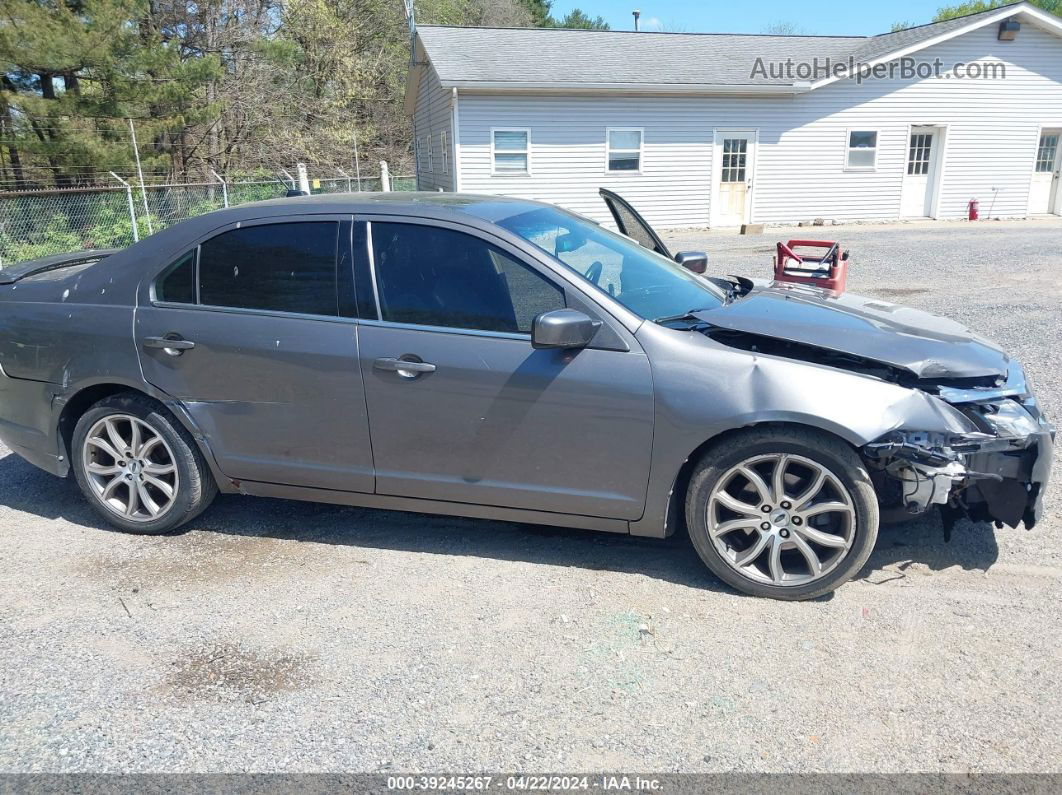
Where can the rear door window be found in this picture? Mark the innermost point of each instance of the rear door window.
(288, 267)
(177, 285)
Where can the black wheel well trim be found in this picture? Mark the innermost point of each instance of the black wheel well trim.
(82, 399)
(675, 515)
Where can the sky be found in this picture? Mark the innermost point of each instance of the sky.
(811, 16)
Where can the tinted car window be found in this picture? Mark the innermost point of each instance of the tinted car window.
(177, 285)
(281, 267)
(439, 277)
(648, 284)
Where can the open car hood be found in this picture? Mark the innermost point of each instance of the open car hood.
(923, 345)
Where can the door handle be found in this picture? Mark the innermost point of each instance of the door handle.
(404, 367)
(173, 345)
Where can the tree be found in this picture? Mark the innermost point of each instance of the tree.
(74, 70)
(976, 6)
(577, 19)
(539, 10)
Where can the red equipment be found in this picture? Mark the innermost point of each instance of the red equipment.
(971, 209)
(828, 270)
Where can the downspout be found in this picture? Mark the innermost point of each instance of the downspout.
(455, 137)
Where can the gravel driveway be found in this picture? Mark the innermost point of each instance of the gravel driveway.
(279, 636)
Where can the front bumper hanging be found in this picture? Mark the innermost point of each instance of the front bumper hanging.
(998, 473)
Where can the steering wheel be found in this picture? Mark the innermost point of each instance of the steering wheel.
(593, 273)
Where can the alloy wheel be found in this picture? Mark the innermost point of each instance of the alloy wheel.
(130, 468)
(781, 519)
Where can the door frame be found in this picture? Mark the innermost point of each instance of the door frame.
(717, 171)
(1054, 197)
(936, 167)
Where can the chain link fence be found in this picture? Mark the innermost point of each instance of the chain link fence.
(38, 223)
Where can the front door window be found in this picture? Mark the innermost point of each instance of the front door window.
(433, 276)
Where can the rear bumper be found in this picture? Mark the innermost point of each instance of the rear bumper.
(28, 424)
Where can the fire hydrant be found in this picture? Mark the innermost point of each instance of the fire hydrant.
(972, 210)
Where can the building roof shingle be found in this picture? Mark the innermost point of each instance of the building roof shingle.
(552, 56)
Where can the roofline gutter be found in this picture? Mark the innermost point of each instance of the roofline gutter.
(702, 89)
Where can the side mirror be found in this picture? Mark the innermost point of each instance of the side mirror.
(563, 328)
(696, 261)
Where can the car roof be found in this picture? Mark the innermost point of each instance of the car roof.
(399, 202)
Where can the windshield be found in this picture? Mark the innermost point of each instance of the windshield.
(646, 283)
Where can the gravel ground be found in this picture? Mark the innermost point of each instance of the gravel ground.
(279, 636)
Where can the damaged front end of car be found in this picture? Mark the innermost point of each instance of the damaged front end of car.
(996, 471)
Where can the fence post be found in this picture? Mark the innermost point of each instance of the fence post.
(140, 176)
(304, 180)
(343, 173)
(290, 178)
(224, 188)
(385, 176)
(129, 200)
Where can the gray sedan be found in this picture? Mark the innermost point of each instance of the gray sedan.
(491, 357)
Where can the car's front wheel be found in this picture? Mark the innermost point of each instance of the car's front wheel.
(787, 513)
(138, 467)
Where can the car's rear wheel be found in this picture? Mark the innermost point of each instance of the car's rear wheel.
(788, 513)
(138, 467)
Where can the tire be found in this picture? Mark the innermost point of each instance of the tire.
(166, 456)
(837, 525)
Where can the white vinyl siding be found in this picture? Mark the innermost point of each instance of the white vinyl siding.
(992, 136)
(432, 134)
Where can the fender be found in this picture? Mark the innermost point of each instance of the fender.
(695, 405)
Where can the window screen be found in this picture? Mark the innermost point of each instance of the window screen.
(511, 151)
(862, 149)
(279, 267)
(177, 285)
(624, 150)
(439, 277)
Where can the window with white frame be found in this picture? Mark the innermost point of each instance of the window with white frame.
(510, 150)
(1046, 153)
(419, 153)
(427, 148)
(444, 153)
(862, 150)
(624, 149)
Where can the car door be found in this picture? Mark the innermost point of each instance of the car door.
(245, 329)
(463, 409)
(630, 223)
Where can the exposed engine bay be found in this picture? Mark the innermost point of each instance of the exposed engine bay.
(994, 472)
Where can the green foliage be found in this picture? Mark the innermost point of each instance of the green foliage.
(976, 6)
(540, 13)
(577, 19)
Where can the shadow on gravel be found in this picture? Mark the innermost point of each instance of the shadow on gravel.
(973, 545)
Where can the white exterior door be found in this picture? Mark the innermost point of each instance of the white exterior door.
(735, 155)
(1043, 193)
(919, 179)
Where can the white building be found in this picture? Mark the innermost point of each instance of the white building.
(696, 131)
